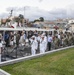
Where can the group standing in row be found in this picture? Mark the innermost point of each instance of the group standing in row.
(42, 41)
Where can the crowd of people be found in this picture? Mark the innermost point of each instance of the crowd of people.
(37, 40)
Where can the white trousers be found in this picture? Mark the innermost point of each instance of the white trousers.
(33, 51)
(42, 51)
(0, 57)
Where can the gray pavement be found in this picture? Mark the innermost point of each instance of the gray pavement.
(2, 72)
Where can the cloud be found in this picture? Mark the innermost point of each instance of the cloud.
(29, 12)
(40, 0)
(4, 15)
(59, 13)
(12, 8)
(34, 13)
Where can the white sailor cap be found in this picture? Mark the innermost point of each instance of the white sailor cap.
(42, 36)
(33, 36)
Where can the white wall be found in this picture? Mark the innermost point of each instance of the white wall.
(71, 21)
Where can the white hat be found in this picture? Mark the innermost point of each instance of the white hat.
(42, 36)
(33, 36)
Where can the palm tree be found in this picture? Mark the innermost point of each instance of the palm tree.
(41, 19)
(21, 17)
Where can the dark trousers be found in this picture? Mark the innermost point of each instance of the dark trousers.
(49, 46)
(7, 42)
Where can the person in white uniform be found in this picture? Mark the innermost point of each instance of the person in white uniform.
(0, 47)
(36, 43)
(42, 45)
(38, 40)
(45, 39)
(33, 45)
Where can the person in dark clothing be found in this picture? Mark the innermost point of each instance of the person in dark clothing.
(49, 42)
(6, 38)
(17, 39)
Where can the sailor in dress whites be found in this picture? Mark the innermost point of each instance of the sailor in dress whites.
(0, 46)
(36, 38)
(45, 39)
(42, 45)
(33, 45)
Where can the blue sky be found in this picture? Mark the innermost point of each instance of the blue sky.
(52, 6)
